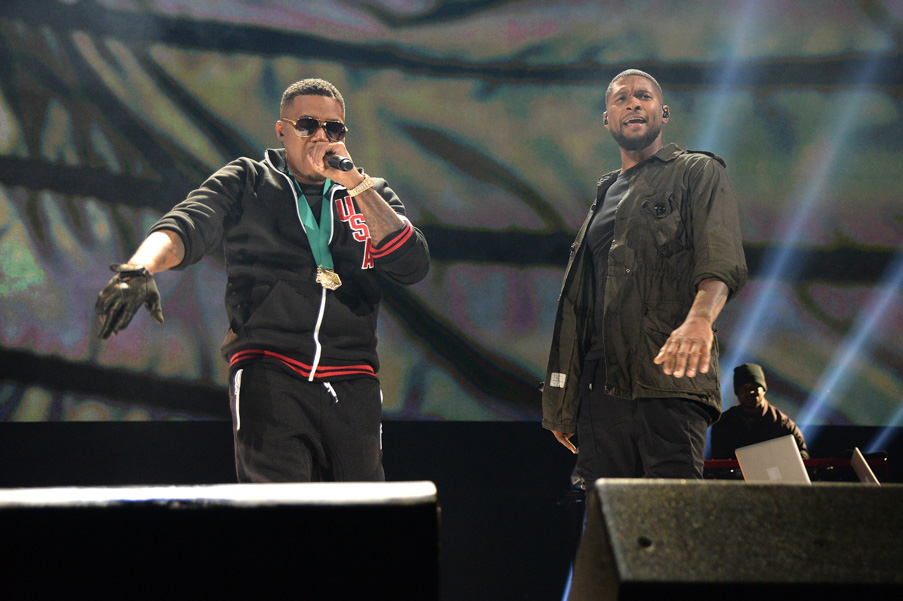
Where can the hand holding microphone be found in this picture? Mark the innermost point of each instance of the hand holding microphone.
(337, 161)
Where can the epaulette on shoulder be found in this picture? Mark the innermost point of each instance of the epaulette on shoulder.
(708, 154)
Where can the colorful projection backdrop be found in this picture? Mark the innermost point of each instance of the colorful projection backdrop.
(485, 116)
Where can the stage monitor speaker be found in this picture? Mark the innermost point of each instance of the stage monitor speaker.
(236, 541)
(664, 539)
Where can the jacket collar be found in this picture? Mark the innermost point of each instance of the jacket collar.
(666, 154)
(275, 157)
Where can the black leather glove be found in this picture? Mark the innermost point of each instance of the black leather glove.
(117, 303)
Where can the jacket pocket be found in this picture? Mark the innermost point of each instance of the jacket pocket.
(658, 323)
(666, 223)
(281, 307)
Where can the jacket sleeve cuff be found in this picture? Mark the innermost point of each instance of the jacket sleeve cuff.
(393, 242)
(566, 428)
(172, 225)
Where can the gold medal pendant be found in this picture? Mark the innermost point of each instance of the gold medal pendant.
(328, 279)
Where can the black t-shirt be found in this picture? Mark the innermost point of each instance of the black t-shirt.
(314, 196)
(599, 236)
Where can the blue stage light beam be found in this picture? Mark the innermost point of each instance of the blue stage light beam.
(886, 434)
(755, 328)
(714, 135)
(779, 265)
(567, 585)
(835, 378)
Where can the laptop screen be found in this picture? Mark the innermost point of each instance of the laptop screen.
(862, 468)
(775, 460)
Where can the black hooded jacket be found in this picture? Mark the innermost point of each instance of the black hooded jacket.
(276, 309)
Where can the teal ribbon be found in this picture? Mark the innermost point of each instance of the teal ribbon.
(317, 233)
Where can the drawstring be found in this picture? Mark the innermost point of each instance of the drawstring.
(331, 391)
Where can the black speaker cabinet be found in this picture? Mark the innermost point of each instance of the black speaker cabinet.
(251, 541)
(658, 539)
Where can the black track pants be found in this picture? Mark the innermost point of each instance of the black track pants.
(287, 429)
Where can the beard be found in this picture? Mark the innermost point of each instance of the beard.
(635, 144)
(305, 174)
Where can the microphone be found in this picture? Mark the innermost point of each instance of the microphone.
(337, 161)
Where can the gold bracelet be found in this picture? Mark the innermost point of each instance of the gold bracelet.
(364, 185)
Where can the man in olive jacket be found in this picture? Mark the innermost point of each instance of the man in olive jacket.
(633, 368)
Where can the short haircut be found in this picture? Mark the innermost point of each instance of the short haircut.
(628, 73)
(311, 87)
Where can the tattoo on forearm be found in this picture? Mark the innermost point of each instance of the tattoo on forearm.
(381, 219)
(175, 252)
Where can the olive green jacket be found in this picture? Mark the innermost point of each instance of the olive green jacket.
(677, 225)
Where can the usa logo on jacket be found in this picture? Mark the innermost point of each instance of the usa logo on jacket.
(349, 214)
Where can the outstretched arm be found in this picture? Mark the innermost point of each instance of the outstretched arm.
(133, 285)
(689, 347)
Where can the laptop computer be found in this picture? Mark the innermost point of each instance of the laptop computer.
(862, 468)
(776, 460)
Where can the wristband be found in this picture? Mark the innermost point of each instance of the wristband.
(130, 269)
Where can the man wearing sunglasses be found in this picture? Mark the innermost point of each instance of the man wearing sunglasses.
(308, 242)
(633, 369)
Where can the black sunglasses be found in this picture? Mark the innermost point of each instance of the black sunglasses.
(308, 126)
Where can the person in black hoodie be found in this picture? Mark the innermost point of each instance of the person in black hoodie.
(754, 419)
(308, 241)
